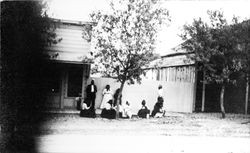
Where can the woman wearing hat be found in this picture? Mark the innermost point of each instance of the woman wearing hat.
(107, 95)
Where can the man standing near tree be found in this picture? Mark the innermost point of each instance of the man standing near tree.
(91, 94)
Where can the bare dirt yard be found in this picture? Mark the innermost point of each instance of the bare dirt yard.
(174, 124)
(177, 132)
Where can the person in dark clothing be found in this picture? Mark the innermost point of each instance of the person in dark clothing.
(91, 93)
(78, 103)
(87, 111)
(144, 111)
(116, 97)
(108, 112)
(158, 108)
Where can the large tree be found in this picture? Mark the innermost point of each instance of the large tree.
(214, 47)
(125, 38)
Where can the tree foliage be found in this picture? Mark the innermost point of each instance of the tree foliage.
(125, 38)
(242, 34)
(214, 46)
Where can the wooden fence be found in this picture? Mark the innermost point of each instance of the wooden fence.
(178, 96)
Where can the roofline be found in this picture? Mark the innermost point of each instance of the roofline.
(68, 62)
(181, 65)
(177, 54)
(72, 22)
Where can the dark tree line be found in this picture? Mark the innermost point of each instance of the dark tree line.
(25, 32)
(221, 50)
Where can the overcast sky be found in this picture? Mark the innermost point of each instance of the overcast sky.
(181, 12)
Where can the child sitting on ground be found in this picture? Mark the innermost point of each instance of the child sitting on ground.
(144, 111)
(127, 113)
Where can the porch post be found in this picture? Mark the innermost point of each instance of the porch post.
(195, 86)
(63, 88)
(203, 91)
(85, 76)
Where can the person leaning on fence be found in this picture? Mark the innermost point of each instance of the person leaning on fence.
(108, 112)
(116, 97)
(116, 101)
(144, 111)
(158, 108)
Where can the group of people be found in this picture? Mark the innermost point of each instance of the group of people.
(109, 104)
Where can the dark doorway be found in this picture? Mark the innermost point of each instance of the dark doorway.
(75, 76)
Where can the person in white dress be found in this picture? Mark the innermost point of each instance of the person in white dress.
(107, 95)
(160, 91)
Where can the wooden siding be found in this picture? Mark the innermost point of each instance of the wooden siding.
(172, 74)
(177, 75)
(72, 46)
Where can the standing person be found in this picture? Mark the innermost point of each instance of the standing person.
(116, 97)
(160, 91)
(107, 95)
(91, 93)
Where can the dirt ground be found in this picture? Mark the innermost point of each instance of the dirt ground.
(174, 124)
(175, 133)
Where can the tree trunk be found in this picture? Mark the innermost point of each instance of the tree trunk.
(247, 90)
(223, 113)
(119, 98)
(203, 92)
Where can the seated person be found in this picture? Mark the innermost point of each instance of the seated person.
(127, 113)
(108, 112)
(86, 110)
(144, 111)
(78, 101)
(158, 108)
